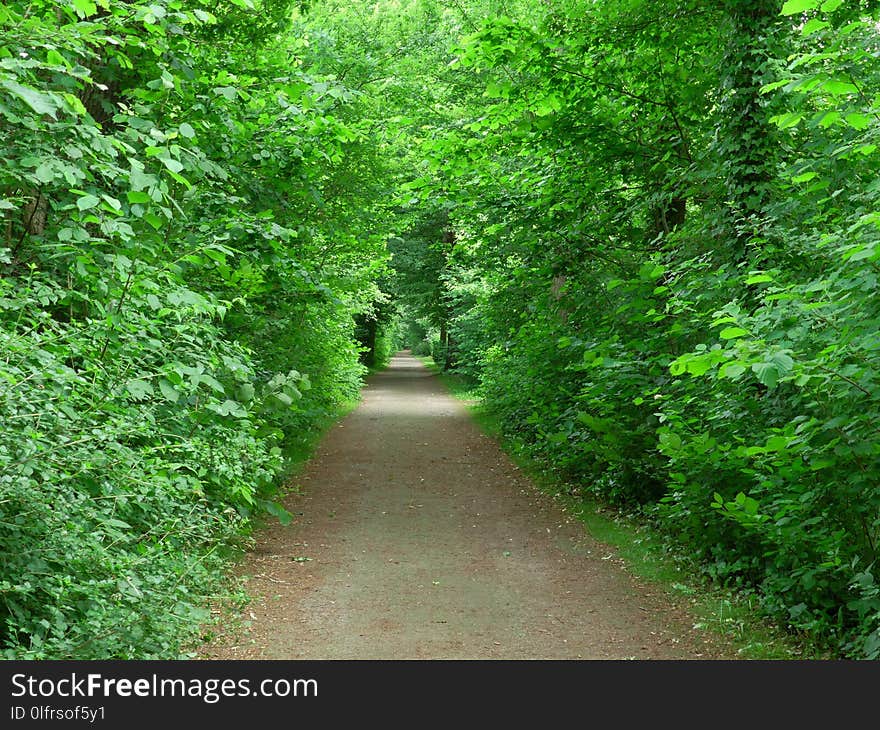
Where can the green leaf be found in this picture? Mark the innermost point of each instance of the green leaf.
(789, 119)
(729, 333)
(814, 25)
(804, 177)
(837, 87)
(112, 202)
(777, 443)
(227, 408)
(138, 197)
(766, 373)
(650, 271)
(54, 58)
(39, 102)
(783, 362)
(75, 104)
(731, 370)
(276, 510)
(87, 201)
(139, 180)
(858, 121)
(212, 383)
(669, 442)
(139, 389)
(44, 173)
(699, 366)
(169, 392)
(85, 8)
(774, 85)
(171, 164)
(792, 7)
(182, 180)
(227, 92)
(154, 220)
(758, 279)
(828, 118)
(186, 131)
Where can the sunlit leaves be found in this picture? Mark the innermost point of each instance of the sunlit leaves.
(84, 8)
(137, 197)
(791, 7)
(857, 120)
(760, 278)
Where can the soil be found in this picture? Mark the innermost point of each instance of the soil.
(416, 537)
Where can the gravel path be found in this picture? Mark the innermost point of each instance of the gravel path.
(416, 537)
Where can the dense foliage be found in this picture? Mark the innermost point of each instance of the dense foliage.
(663, 275)
(183, 254)
(648, 230)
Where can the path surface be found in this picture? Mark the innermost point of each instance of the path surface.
(416, 537)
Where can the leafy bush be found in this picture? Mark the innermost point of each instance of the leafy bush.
(667, 288)
(171, 314)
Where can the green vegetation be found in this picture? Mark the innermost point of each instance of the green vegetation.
(647, 230)
(183, 253)
(644, 550)
(652, 239)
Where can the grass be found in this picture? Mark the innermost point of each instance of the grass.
(733, 618)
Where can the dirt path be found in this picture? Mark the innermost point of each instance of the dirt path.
(416, 537)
